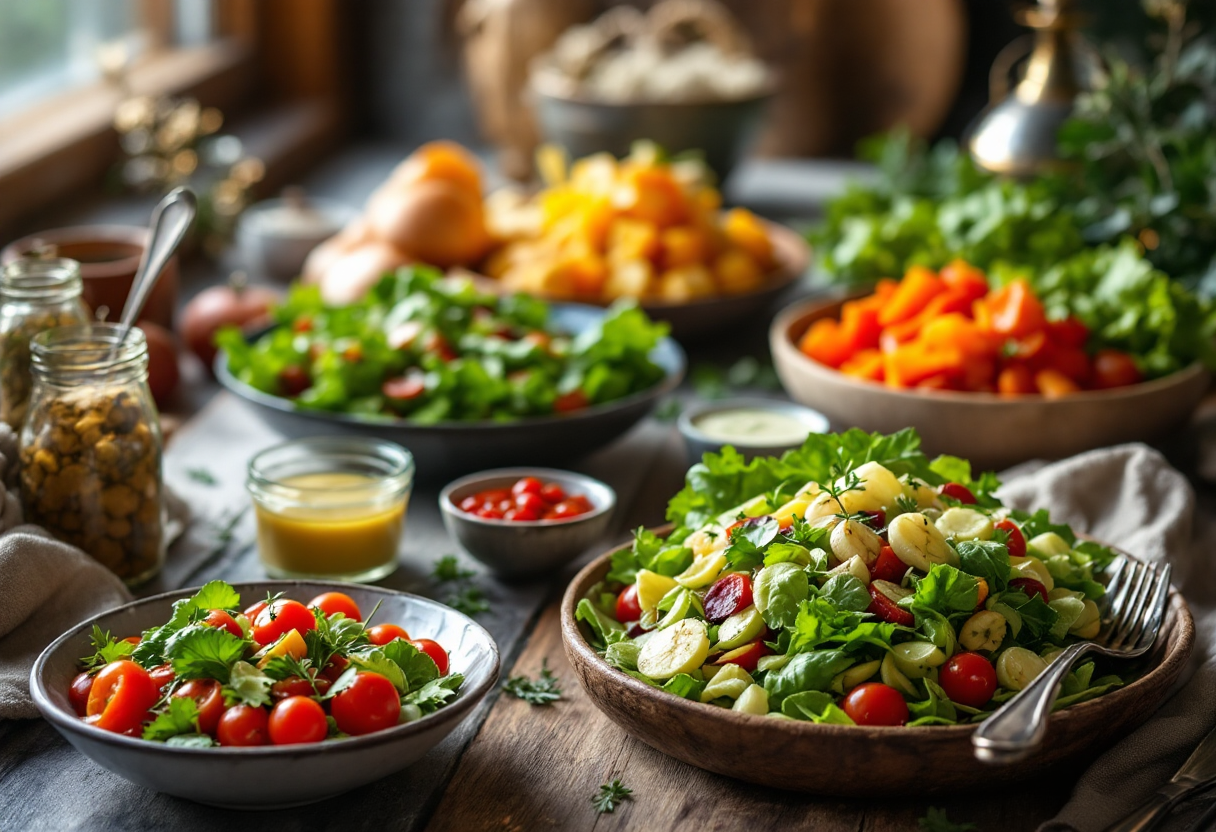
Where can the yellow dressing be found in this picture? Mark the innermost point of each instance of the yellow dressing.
(338, 524)
(752, 426)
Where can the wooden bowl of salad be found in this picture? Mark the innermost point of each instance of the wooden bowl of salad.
(847, 690)
(992, 407)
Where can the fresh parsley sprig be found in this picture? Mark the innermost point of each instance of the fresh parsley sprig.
(935, 820)
(448, 568)
(610, 796)
(470, 600)
(544, 690)
(108, 649)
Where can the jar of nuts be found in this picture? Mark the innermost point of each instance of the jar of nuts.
(91, 448)
(35, 295)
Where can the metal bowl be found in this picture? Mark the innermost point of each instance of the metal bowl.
(452, 448)
(721, 130)
(513, 548)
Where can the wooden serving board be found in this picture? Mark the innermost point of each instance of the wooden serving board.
(536, 768)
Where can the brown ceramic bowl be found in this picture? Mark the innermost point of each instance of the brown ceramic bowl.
(108, 256)
(992, 431)
(846, 760)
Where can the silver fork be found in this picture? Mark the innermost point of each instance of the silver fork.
(1135, 604)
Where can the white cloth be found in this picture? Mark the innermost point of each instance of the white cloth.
(1130, 497)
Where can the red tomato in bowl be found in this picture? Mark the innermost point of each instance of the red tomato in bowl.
(874, 703)
(382, 634)
(968, 679)
(283, 615)
(121, 695)
(78, 693)
(437, 653)
(297, 719)
(331, 603)
(222, 619)
(627, 606)
(243, 725)
(208, 695)
(1016, 544)
(370, 703)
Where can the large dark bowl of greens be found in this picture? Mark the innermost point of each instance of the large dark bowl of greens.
(464, 379)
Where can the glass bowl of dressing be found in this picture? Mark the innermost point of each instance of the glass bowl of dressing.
(755, 427)
(331, 507)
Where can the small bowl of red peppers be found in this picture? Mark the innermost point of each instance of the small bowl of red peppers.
(524, 521)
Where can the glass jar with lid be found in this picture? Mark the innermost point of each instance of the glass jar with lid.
(35, 295)
(91, 448)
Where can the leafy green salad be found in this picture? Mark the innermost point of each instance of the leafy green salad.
(432, 349)
(850, 581)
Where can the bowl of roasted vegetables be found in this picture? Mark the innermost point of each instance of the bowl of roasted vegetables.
(463, 378)
(855, 608)
(264, 695)
(1004, 366)
(643, 227)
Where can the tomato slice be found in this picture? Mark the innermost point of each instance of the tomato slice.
(1016, 544)
(121, 695)
(569, 402)
(1030, 586)
(887, 609)
(958, 492)
(887, 566)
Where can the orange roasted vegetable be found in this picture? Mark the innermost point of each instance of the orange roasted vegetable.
(1053, 384)
(1013, 311)
(867, 364)
(823, 342)
(913, 294)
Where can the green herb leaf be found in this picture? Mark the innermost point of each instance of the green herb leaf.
(202, 476)
(247, 686)
(435, 694)
(179, 717)
(610, 796)
(935, 820)
(107, 649)
(202, 652)
(448, 568)
(544, 690)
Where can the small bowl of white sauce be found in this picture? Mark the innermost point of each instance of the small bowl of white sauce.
(755, 427)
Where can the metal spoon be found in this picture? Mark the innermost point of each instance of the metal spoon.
(171, 219)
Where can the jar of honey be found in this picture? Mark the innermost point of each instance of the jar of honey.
(331, 507)
(91, 447)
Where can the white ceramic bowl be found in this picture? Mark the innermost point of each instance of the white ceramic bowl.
(697, 442)
(513, 548)
(269, 777)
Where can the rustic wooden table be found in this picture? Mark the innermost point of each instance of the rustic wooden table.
(511, 766)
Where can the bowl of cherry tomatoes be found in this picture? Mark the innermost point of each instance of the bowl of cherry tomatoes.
(524, 521)
(203, 696)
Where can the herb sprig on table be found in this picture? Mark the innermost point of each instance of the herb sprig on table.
(935, 820)
(464, 596)
(610, 796)
(544, 690)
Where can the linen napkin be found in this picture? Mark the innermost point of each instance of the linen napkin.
(1130, 496)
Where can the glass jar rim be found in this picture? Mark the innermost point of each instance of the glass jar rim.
(82, 352)
(390, 466)
(41, 278)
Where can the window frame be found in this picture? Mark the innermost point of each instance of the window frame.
(279, 56)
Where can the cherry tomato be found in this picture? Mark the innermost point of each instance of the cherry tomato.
(521, 515)
(283, 615)
(133, 640)
(968, 679)
(382, 634)
(1113, 368)
(494, 496)
(887, 566)
(252, 612)
(335, 602)
(295, 686)
(569, 402)
(635, 629)
(747, 657)
(727, 596)
(1030, 586)
(294, 380)
(208, 694)
(487, 513)
(438, 655)
(958, 492)
(335, 668)
(876, 704)
(371, 703)
(627, 606)
(1016, 544)
(243, 725)
(529, 501)
(470, 504)
(567, 509)
(887, 609)
(162, 674)
(297, 719)
(220, 618)
(78, 693)
(551, 492)
(527, 485)
(121, 695)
